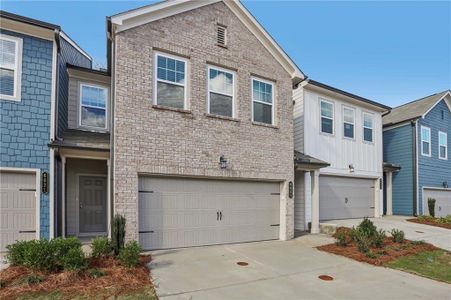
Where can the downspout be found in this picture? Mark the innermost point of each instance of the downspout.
(58, 45)
(111, 52)
(414, 164)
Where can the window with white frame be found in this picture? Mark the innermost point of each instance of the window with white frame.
(220, 92)
(368, 127)
(327, 116)
(93, 106)
(348, 122)
(442, 145)
(425, 141)
(170, 83)
(262, 101)
(10, 67)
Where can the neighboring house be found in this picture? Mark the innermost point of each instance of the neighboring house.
(338, 143)
(417, 137)
(32, 56)
(203, 125)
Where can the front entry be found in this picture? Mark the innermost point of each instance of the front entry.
(92, 203)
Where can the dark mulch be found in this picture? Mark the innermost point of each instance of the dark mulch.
(118, 280)
(431, 222)
(390, 250)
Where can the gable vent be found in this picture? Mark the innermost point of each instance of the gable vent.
(221, 35)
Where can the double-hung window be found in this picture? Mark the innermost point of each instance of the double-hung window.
(10, 67)
(348, 122)
(220, 92)
(170, 83)
(368, 127)
(93, 106)
(442, 145)
(327, 116)
(425, 141)
(262, 101)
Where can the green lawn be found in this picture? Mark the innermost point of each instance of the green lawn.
(432, 264)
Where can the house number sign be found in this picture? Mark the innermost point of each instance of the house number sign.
(45, 182)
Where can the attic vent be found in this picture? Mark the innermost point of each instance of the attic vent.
(221, 38)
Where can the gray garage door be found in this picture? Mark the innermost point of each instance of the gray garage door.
(18, 207)
(180, 212)
(343, 198)
(442, 201)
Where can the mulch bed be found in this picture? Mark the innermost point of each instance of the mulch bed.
(118, 280)
(430, 222)
(390, 251)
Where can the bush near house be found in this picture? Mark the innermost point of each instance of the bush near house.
(431, 207)
(444, 222)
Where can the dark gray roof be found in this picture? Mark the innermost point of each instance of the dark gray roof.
(412, 110)
(90, 70)
(304, 159)
(79, 139)
(391, 167)
(11, 16)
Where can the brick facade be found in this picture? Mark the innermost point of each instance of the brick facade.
(153, 141)
(25, 124)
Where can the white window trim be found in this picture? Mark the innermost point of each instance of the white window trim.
(429, 141)
(321, 116)
(345, 122)
(17, 68)
(446, 145)
(273, 121)
(221, 93)
(80, 105)
(156, 80)
(366, 127)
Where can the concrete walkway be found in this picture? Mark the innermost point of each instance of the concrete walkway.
(281, 270)
(439, 237)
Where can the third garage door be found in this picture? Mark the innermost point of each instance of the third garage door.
(343, 198)
(181, 212)
(442, 201)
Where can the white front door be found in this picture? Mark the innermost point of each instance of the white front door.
(92, 202)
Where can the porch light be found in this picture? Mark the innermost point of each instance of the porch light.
(351, 168)
(445, 184)
(223, 162)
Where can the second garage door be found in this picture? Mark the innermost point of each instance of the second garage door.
(181, 212)
(344, 198)
(442, 201)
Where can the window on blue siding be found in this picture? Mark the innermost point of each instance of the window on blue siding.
(442, 145)
(170, 83)
(220, 92)
(10, 67)
(262, 101)
(327, 116)
(93, 102)
(368, 127)
(425, 141)
(348, 122)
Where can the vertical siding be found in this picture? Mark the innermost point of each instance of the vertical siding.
(68, 54)
(299, 201)
(25, 124)
(398, 150)
(298, 121)
(432, 171)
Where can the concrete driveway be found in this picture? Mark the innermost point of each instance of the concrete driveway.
(281, 270)
(439, 237)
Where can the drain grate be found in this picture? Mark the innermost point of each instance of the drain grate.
(242, 263)
(326, 277)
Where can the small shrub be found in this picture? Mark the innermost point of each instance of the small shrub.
(425, 218)
(398, 235)
(61, 246)
(378, 238)
(415, 243)
(341, 239)
(74, 260)
(101, 247)
(2, 284)
(431, 207)
(444, 220)
(16, 252)
(361, 239)
(31, 279)
(129, 255)
(39, 256)
(370, 254)
(367, 227)
(118, 233)
(96, 273)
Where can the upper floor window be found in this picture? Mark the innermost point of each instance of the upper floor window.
(170, 83)
(220, 92)
(327, 116)
(93, 106)
(368, 127)
(10, 67)
(262, 101)
(348, 122)
(425, 141)
(442, 145)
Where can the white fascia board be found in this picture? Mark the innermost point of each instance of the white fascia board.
(448, 103)
(73, 44)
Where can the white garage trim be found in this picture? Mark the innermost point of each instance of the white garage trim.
(37, 173)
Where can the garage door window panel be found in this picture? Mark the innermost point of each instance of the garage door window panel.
(368, 128)
(348, 122)
(170, 83)
(221, 92)
(425, 141)
(263, 101)
(327, 116)
(442, 145)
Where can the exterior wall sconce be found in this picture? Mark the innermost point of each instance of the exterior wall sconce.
(445, 184)
(223, 162)
(351, 168)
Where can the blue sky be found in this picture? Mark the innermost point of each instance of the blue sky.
(391, 52)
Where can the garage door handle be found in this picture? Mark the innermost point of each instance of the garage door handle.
(27, 231)
(220, 215)
(217, 216)
(27, 190)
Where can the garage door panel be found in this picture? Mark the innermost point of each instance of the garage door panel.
(442, 201)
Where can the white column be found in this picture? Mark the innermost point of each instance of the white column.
(315, 201)
(389, 186)
(63, 197)
(108, 198)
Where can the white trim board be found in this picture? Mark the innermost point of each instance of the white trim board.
(448, 103)
(73, 44)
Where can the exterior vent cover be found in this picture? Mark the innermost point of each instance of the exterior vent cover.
(221, 38)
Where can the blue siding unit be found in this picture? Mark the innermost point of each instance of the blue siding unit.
(25, 124)
(398, 149)
(432, 171)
